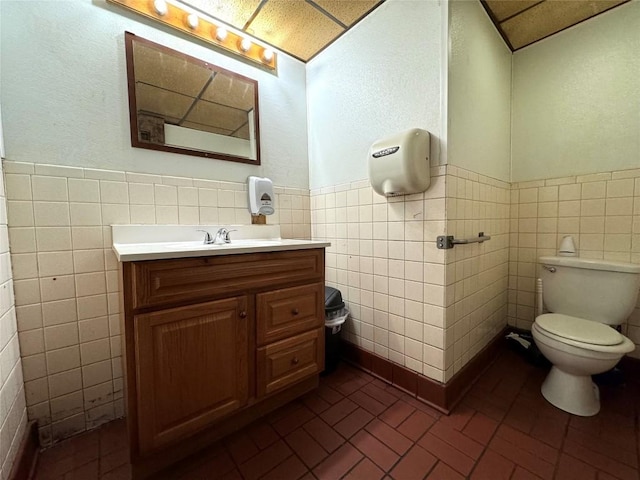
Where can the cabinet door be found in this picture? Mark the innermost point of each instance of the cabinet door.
(192, 368)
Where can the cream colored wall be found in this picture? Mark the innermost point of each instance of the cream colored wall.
(576, 106)
(358, 95)
(602, 213)
(479, 93)
(13, 413)
(383, 258)
(66, 275)
(476, 274)
(65, 99)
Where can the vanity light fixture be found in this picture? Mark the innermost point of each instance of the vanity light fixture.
(267, 55)
(221, 34)
(160, 6)
(192, 21)
(245, 44)
(196, 23)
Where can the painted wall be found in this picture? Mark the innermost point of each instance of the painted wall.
(576, 107)
(479, 93)
(65, 100)
(357, 94)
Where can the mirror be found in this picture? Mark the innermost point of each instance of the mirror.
(180, 104)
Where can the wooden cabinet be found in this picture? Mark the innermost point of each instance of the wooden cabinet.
(285, 362)
(212, 343)
(192, 367)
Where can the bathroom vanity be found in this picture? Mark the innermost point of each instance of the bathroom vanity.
(214, 336)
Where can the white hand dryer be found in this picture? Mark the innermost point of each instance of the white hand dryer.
(399, 164)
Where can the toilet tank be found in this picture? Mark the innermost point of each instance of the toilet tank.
(597, 290)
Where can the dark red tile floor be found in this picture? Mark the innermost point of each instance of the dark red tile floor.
(357, 427)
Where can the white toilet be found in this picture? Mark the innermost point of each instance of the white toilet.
(586, 297)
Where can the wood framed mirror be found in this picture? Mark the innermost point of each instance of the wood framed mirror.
(180, 104)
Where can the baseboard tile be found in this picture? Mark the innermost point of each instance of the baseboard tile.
(441, 396)
(24, 466)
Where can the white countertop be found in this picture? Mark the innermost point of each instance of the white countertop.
(160, 242)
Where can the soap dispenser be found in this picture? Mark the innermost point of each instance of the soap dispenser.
(261, 197)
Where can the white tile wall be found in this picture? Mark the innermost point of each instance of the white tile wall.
(13, 412)
(602, 213)
(476, 274)
(66, 278)
(427, 309)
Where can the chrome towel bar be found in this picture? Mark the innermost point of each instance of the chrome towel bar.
(444, 242)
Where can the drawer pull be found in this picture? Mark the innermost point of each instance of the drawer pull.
(243, 314)
(295, 311)
(295, 361)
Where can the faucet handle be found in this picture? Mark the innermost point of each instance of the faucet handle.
(227, 238)
(208, 239)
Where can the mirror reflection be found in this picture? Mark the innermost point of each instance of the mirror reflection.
(181, 104)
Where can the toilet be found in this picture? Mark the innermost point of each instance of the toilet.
(586, 298)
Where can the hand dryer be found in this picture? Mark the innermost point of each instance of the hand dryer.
(399, 164)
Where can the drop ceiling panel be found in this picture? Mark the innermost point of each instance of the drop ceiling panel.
(507, 8)
(294, 26)
(550, 17)
(348, 12)
(226, 90)
(168, 72)
(161, 102)
(234, 12)
(218, 116)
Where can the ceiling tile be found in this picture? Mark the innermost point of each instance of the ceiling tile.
(347, 11)
(227, 90)
(161, 102)
(234, 12)
(215, 115)
(550, 17)
(294, 26)
(167, 71)
(502, 9)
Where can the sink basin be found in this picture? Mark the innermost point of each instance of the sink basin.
(155, 242)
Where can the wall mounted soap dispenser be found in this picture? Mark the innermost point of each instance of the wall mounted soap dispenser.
(399, 164)
(261, 199)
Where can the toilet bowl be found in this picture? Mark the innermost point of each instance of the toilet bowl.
(577, 348)
(587, 299)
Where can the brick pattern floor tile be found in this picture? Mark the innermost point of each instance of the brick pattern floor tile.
(358, 427)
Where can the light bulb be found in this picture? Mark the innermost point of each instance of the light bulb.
(245, 44)
(221, 33)
(267, 55)
(192, 21)
(160, 7)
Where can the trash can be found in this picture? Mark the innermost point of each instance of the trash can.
(335, 314)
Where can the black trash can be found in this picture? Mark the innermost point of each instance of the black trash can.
(335, 315)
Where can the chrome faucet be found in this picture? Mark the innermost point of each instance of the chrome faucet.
(222, 236)
(208, 239)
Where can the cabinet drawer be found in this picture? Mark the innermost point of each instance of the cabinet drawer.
(289, 311)
(170, 282)
(285, 362)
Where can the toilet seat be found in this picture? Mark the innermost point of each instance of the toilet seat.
(579, 329)
(581, 333)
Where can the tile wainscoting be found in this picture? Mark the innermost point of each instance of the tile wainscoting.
(66, 275)
(602, 213)
(13, 412)
(426, 309)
